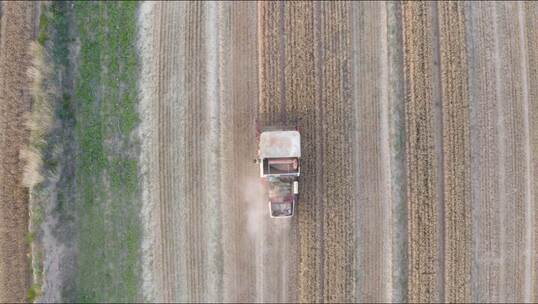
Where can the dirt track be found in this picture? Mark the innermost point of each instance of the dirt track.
(17, 26)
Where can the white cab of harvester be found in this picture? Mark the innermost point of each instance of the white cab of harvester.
(279, 159)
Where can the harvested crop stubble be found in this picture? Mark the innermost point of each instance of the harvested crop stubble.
(371, 152)
(515, 158)
(530, 14)
(502, 68)
(485, 164)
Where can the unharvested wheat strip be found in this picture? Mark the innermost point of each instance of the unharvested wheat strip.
(269, 59)
(455, 101)
(301, 104)
(335, 194)
(421, 168)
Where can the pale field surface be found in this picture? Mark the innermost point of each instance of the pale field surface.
(418, 150)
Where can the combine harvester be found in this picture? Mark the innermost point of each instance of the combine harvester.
(278, 155)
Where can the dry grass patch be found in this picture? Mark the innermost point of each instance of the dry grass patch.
(40, 120)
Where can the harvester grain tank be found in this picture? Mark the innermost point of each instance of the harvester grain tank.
(279, 159)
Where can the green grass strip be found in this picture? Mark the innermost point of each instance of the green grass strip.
(106, 174)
